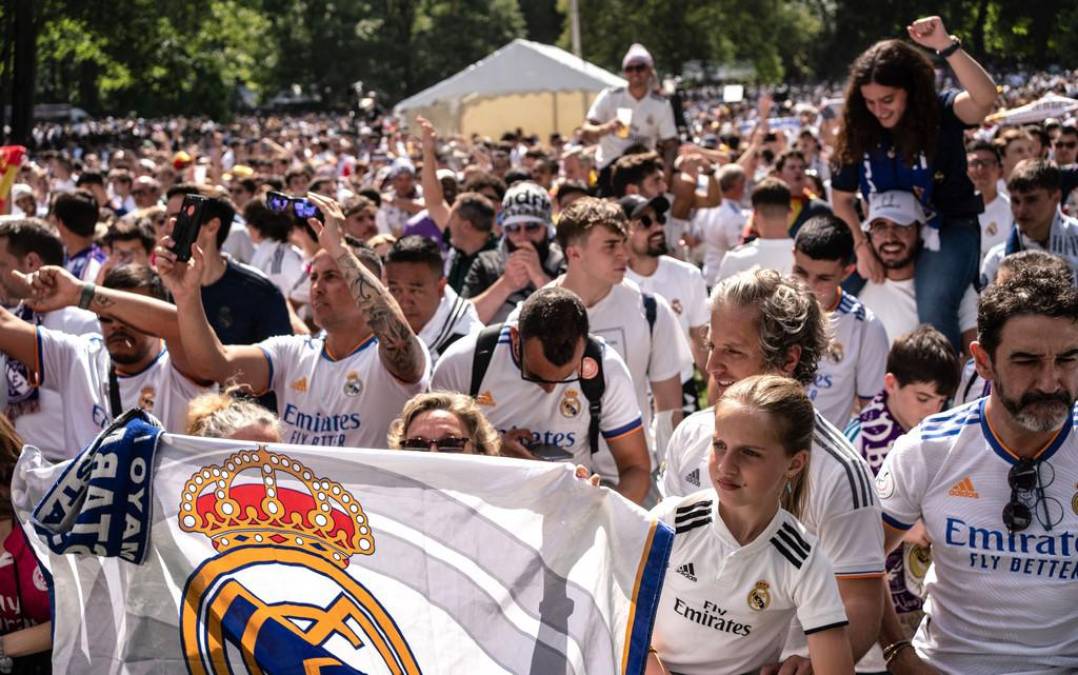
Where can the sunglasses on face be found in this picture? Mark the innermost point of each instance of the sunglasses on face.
(1069, 145)
(530, 228)
(1028, 501)
(445, 444)
(636, 68)
(647, 221)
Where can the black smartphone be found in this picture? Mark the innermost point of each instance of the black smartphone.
(549, 453)
(187, 226)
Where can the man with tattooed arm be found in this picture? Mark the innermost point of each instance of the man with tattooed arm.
(340, 388)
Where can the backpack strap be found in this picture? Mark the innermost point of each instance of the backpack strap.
(593, 389)
(484, 351)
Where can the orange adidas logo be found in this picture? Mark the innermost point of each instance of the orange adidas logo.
(964, 488)
(485, 398)
(300, 385)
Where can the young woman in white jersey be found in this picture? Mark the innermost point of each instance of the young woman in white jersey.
(742, 566)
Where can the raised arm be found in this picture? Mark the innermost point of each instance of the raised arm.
(398, 347)
(433, 196)
(18, 339)
(979, 98)
(207, 358)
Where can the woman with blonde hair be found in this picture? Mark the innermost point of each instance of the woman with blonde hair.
(742, 566)
(444, 421)
(223, 415)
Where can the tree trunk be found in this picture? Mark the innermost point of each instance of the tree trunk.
(22, 108)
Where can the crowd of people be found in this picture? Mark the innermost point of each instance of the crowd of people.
(833, 344)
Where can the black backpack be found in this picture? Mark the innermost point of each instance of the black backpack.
(592, 388)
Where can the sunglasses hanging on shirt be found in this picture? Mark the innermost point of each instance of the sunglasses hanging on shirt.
(1027, 479)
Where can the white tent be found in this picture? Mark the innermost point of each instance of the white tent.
(1050, 105)
(537, 87)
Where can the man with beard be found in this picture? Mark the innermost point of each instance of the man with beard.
(525, 259)
(100, 376)
(681, 284)
(994, 483)
(894, 232)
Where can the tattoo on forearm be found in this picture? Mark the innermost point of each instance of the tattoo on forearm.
(398, 343)
(101, 301)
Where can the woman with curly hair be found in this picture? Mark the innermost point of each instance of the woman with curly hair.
(899, 133)
(443, 421)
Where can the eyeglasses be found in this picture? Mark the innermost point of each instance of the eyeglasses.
(1026, 480)
(445, 444)
(635, 68)
(530, 228)
(647, 221)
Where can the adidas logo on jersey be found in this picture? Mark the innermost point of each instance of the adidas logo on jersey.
(485, 398)
(693, 477)
(964, 488)
(300, 385)
(688, 571)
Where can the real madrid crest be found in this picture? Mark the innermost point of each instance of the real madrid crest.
(760, 596)
(353, 386)
(570, 404)
(146, 398)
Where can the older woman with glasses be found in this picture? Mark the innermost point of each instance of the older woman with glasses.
(443, 421)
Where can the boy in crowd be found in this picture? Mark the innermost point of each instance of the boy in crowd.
(922, 374)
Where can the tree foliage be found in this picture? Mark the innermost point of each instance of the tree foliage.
(154, 57)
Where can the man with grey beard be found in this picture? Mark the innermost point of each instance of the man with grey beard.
(994, 482)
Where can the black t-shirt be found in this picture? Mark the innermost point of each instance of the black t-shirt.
(462, 262)
(245, 307)
(943, 186)
(490, 265)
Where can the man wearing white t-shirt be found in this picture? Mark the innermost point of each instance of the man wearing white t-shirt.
(762, 323)
(415, 275)
(994, 483)
(1039, 224)
(985, 168)
(771, 220)
(852, 369)
(642, 328)
(894, 231)
(341, 388)
(535, 389)
(98, 377)
(721, 226)
(679, 283)
(621, 117)
(26, 245)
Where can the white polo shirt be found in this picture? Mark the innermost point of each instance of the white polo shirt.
(38, 413)
(855, 366)
(349, 402)
(559, 418)
(997, 602)
(841, 509)
(652, 121)
(726, 608)
(775, 254)
(77, 367)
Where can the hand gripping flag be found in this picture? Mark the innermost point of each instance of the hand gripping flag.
(11, 157)
(292, 559)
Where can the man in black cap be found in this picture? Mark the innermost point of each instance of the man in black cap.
(680, 283)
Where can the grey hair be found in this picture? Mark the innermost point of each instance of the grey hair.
(221, 415)
(789, 317)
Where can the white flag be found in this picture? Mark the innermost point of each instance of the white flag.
(295, 559)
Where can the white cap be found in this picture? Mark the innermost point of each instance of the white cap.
(637, 54)
(20, 190)
(896, 206)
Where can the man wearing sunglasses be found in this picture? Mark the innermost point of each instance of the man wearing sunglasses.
(534, 389)
(996, 483)
(635, 114)
(526, 258)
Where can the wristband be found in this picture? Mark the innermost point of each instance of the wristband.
(87, 295)
(892, 650)
(955, 45)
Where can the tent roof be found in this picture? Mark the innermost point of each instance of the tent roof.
(519, 67)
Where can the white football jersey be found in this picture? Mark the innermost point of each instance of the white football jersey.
(652, 121)
(559, 418)
(282, 263)
(721, 230)
(857, 362)
(346, 402)
(682, 286)
(453, 318)
(775, 254)
(726, 608)
(38, 413)
(841, 509)
(971, 386)
(998, 602)
(77, 367)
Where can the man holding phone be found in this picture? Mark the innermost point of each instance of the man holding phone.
(342, 388)
(242, 304)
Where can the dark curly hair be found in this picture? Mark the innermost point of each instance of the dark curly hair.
(891, 63)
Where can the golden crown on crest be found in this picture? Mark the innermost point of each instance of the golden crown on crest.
(241, 503)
